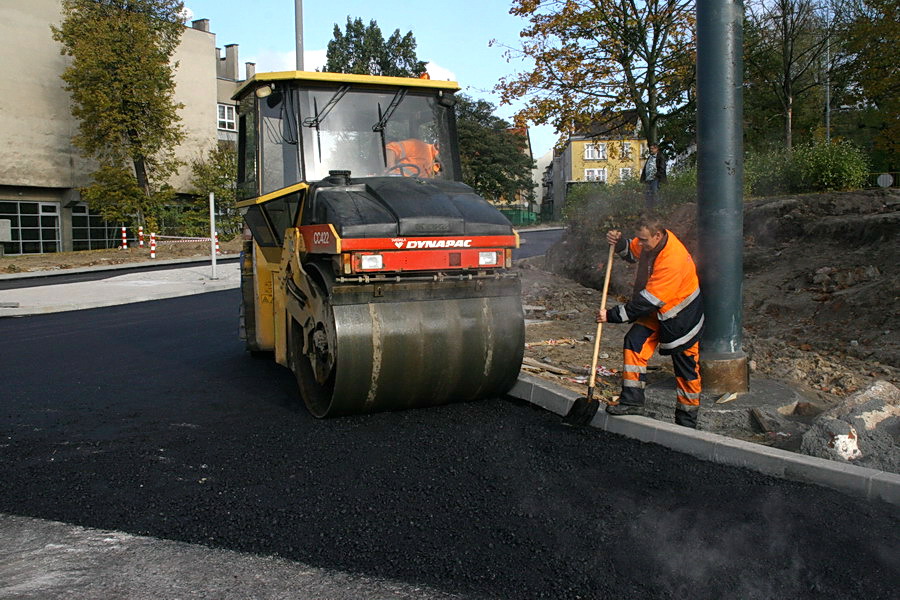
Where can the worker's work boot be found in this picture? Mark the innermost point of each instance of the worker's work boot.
(625, 409)
(686, 418)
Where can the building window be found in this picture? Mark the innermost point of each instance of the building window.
(90, 231)
(626, 150)
(34, 226)
(227, 120)
(625, 174)
(595, 152)
(598, 175)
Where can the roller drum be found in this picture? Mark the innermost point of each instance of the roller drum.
(394, 354)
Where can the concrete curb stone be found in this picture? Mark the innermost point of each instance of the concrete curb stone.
(859, 481)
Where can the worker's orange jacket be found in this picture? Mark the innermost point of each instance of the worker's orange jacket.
(413, 152)
(666, 289)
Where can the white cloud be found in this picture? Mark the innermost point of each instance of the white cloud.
(313, 59)
(269, 61)
(436, 71)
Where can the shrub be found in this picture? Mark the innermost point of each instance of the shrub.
(767, 173)
(828, 166)
(680, 188)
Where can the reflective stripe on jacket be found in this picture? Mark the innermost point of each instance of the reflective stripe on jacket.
(669, 291)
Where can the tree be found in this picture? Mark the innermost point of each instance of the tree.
(364, 51)
(786, 42)
(872, 35)
(214, 173)
(493, 154)
(598, 57)
(121, 82)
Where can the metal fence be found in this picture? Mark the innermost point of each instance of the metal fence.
(519, 217)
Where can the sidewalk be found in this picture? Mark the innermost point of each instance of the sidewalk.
(192, 278)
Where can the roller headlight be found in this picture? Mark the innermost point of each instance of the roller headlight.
(487, 259)
(371, 261)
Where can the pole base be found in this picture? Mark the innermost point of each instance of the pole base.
(725, 373)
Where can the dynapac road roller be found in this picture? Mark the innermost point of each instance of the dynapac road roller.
(374, 274)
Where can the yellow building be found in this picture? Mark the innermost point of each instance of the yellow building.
(609, 152)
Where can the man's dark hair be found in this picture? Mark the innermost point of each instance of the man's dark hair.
(651, 222)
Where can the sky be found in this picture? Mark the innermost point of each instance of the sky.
(452, 38)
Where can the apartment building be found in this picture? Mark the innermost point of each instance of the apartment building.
(41, 171)
(608, 152)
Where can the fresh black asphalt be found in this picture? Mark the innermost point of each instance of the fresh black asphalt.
(150, 419)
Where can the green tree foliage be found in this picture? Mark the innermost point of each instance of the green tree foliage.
(494, 156)
(121, 82)
(214, 173)
(598, 57)
(363, 50)
(786, 42)
(872, 36)
(827, 166)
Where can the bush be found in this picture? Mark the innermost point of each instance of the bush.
(767, 173)
(825, 166)
(681, 188)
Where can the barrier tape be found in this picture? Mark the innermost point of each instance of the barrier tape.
(182, 241)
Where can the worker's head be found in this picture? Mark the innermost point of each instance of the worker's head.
(654, 148)
(649, 232)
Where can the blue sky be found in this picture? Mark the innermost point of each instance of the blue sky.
(452, 37)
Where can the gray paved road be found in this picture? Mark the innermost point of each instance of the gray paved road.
(150, 419)
(536, 243)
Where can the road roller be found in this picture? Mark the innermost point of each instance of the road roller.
(371, 271)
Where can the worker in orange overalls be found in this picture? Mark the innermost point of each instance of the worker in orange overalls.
(667, 312)
(412, 158)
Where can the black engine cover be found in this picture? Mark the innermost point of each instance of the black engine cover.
(383, 207)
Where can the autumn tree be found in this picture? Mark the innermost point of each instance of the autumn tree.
(494, 156)
(597, 57)
(121, 82)
(363, 50)
(871, 35)
(786, 42)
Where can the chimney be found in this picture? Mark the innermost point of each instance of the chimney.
(231, 62)
(250, 69)
(201, 24)
(220, 64)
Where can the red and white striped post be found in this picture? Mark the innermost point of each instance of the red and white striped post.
(217, 244)
(141, 236)
(124, 239)
(152, 244)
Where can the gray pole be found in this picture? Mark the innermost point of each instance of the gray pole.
(298, 27)
(720, 167)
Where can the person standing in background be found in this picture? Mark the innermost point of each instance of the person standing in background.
(653, 174)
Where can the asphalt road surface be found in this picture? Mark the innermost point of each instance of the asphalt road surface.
(536, 243)
(150, 419)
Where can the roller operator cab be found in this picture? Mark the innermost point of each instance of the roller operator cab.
(373, 273)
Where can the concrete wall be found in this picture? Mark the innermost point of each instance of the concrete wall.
(195, 87)
(35, 113)
(38, 162)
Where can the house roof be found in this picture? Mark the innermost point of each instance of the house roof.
(612, 125)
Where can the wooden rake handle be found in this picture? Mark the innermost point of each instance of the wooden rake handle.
(593, 378)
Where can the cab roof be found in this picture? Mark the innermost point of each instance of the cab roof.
(314, 76)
